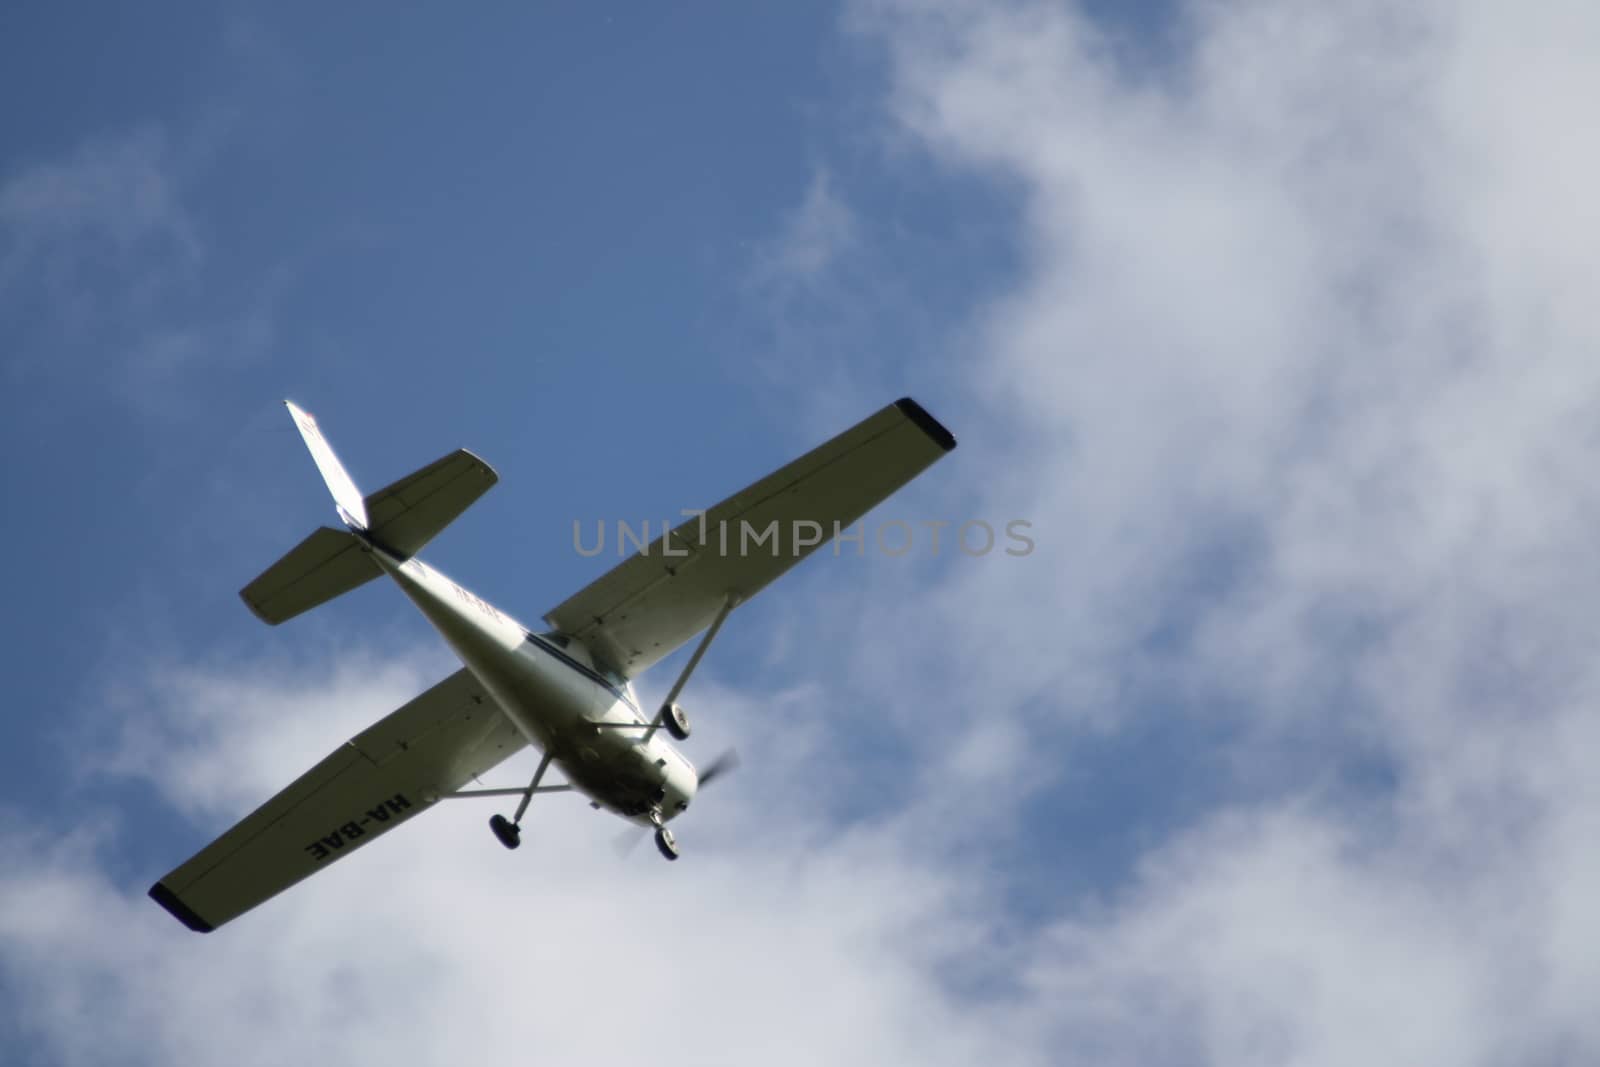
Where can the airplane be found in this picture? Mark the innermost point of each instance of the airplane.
(566, 690)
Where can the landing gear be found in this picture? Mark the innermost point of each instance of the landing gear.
(506, 832)
(676, 720)
(509, 831)
(666, 843)
(671, 717)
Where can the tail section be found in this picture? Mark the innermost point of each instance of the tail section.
(325, 565)
(346, 497)
(399, 518)
(409, 513)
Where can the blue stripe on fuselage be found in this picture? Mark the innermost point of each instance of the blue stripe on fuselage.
(582, 668)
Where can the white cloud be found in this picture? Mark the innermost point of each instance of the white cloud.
(815, 234)
(776, 939)
(117, 193)
(1307, 374)
(105, 263)
(111, 210)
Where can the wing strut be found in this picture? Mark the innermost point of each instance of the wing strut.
(509, 831)
(670, 714)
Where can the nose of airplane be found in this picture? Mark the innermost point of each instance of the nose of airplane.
(683, 780)
(680, 785)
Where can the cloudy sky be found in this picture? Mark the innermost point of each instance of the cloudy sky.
(1276, 320)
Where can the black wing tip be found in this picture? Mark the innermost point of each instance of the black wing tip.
(179, 910)
(254, 610)
(926, 423)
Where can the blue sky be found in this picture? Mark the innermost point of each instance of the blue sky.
(1273, 320)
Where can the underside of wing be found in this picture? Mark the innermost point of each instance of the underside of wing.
(655, 601)
(368, 786)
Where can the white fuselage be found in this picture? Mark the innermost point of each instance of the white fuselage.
(550, 689)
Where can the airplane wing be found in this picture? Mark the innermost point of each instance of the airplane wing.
(390, 772)
(655, 601)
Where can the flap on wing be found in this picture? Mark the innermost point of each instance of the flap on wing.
(369, 785)
(408, 514)
(653, 602)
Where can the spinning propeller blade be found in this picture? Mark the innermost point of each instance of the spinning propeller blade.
(728, 761)
(628, 840)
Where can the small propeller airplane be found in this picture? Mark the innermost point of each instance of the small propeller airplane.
(567, 691)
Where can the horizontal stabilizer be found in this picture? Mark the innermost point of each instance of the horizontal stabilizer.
(325, 565)
(408, 514)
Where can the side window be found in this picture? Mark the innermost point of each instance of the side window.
(621, 685)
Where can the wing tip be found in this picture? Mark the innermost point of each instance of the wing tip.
(926, 423)
(256, 609)
(178, 909)
(494, 475)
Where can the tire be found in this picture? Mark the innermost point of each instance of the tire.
(676, 720)
(505, 831)
(667, 843)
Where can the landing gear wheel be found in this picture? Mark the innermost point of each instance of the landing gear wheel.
(666, 843)
(676, 720)
(506, 832)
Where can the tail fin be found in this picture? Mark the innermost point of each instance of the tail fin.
(399, 518)
(346, 497)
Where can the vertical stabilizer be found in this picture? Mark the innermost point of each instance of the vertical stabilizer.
(346, 497)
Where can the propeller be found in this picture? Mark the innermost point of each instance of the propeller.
(728, 761)
(628, 840)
